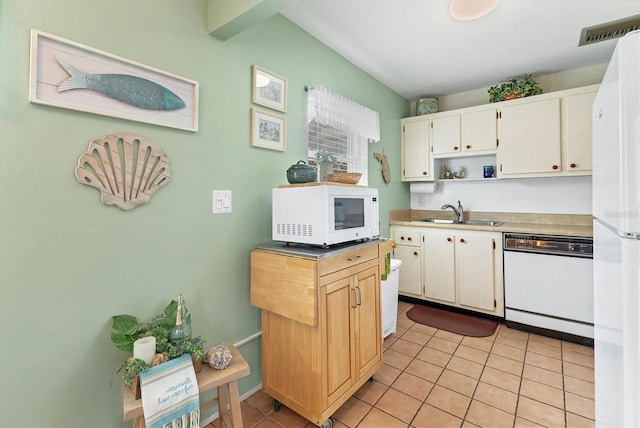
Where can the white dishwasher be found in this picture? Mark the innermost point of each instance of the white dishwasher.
(548, 284)
(389, 297)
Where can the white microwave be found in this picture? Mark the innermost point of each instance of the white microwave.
(324, 214)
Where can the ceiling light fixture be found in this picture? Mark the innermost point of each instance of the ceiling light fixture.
(468, 10)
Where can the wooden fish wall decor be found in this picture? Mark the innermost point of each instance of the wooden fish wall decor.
(126, 168)
(386, 174)
(131, 90)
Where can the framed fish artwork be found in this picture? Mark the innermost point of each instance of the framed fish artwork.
(268, 131)
(269, 89)
(74, 76)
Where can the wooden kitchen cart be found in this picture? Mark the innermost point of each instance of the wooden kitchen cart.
(321, 327)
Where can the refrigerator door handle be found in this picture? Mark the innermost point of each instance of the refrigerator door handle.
(621, 233)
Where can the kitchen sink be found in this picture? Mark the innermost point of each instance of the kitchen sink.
(469, 222)
(439, 220)
(482, 222)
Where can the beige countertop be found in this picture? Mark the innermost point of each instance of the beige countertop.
(543, 224)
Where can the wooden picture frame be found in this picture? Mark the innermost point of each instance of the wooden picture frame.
(268, 131)
(269, 89)
(114, 86)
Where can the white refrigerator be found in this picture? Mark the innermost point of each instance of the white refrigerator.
(616, 229)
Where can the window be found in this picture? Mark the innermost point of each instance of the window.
(339, 130)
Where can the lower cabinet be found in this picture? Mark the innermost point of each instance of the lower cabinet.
(455, 267)
(321, 326)
(409, 250)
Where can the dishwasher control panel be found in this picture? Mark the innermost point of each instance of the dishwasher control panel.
(575, 246)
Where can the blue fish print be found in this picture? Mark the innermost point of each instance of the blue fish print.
(132, 90)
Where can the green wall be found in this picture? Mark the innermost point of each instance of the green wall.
(68, 263)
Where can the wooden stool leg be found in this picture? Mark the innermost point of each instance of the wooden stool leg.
(223, 404)
(236, 413)
(139, 422)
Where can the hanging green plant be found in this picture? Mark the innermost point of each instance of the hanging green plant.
(514, 88)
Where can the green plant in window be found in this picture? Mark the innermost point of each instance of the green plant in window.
(325, 156)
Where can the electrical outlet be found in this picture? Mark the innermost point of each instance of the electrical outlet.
(221, 201)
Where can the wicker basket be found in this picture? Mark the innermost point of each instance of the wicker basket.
(345, 177)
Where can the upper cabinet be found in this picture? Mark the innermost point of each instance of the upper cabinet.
(541, 136)
(445, 135)
(417, 164)
(529, 136)
(468, 133)
(479, 131)
(577, 131)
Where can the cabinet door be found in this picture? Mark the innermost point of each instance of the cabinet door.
(416, 157)
(577, 129)
(339, 297)
(411, 277)
(445, 135)
(475, 271)
(529, 136)
(367, 333)
(479, 131)
(439, 266)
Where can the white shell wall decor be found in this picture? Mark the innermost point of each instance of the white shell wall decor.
(126, 168)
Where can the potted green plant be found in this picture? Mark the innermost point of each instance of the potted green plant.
(126, 329)
(193, 345)
(514, 88)
(133, 367)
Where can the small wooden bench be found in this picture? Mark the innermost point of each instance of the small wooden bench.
(225, 380)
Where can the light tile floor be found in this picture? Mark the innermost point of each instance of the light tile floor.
(434, 378)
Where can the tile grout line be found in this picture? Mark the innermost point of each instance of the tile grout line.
(524, 362)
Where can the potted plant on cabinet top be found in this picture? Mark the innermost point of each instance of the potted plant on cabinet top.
(514, 88)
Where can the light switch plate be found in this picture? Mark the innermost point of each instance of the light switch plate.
(221, 201)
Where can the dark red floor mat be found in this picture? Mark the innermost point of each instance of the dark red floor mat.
(454, 322)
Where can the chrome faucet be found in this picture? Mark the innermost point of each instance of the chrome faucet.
(459, 211)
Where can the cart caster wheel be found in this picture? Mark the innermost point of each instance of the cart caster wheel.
(276, 405)
(327, 424)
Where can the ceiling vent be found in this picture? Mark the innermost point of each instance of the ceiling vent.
(609, 30)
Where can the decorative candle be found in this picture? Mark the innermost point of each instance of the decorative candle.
(145, 348)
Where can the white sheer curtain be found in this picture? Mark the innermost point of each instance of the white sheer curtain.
(339, 128)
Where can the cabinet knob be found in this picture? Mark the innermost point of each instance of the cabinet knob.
(455, 148)
(402, 238)
(415, 253)
(424, 172)
(449, 239)
(468, 146)
(554, 167)
(462, 240)
(573, 165)
(409, 238)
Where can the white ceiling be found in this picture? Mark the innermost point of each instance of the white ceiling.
(417, 49)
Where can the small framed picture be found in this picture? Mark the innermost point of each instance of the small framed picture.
(269, 89)
(268, 131)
